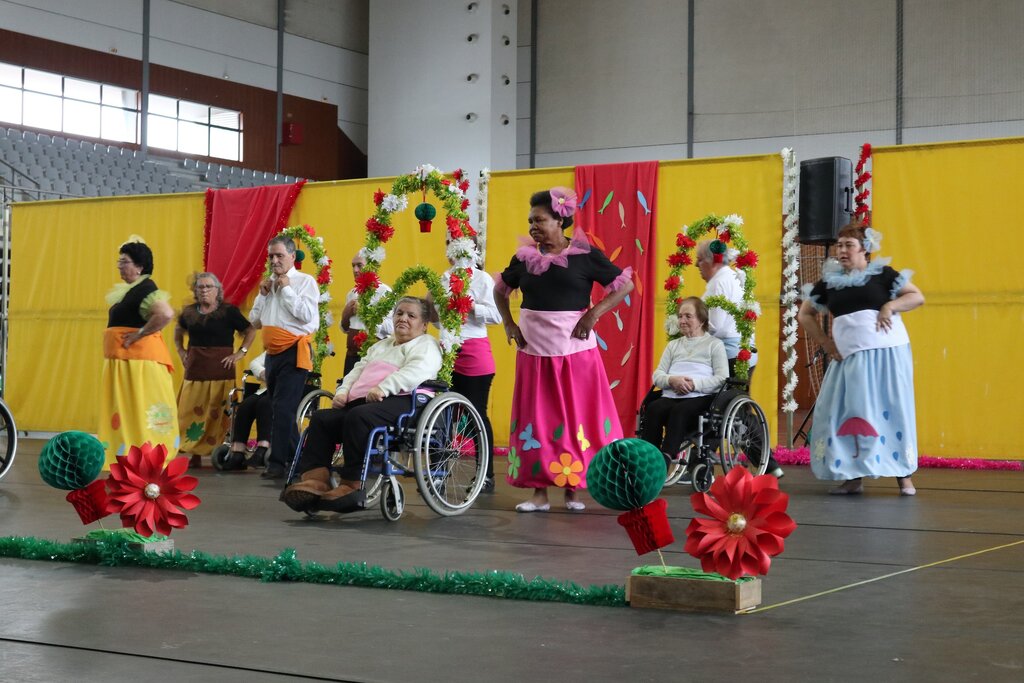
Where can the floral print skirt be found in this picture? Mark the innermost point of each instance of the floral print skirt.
(137, 404)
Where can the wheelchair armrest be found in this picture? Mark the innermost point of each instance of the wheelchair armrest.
(433, 385)
(734, 383)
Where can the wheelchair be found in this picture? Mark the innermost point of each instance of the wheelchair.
(732, 433)
(440, 441)
(219, 456)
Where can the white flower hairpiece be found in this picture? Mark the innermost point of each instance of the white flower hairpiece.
(872, 240)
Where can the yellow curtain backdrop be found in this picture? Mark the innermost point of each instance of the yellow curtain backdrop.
(948, 212)
(63, 262)
(687, 191)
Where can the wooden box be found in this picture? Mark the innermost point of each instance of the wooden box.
(692, 595)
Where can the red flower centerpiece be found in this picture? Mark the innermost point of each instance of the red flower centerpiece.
(148, 496)
(747, 524)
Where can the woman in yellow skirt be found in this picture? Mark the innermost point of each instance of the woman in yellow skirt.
(137, 402)
(209, 363)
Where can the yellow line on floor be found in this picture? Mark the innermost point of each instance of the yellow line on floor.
(879, 578)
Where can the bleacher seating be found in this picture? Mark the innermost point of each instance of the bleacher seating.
(51, 166)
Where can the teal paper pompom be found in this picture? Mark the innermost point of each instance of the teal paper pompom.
(626, 474)
(71, 460)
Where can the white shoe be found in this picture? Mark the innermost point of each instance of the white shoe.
(530, 506)
(575, 505)
(777, 473)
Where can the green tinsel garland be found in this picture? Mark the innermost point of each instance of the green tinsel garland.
(287, 567)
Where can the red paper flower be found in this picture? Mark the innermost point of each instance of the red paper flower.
(750, 315)
(456, 284)
(744, 354)
(148, 496)
(446, 182)
(684, 242)
(457, 174)
(325, 276)
(464, 185)
(681, 259)
(367, 280)
(382, 231)
(359, 338)
(470, 231)
(462, 304)
(454, 226)
(747, 259)
(465, 204)
(378, 197)
(90, 502)
(309, 229)
(679, 301)
(724, 236)
(747, 526)
(671, 283)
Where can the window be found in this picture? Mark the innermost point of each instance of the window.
(39, 99)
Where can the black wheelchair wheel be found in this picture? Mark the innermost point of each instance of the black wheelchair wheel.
(745, 437)
(219, 457)
(8, 440)
(703, 476)
(451, 453)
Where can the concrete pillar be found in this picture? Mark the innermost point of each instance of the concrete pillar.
(442, 85)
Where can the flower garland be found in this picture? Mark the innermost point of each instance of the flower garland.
(727, 231)
(307, 237)
(791, 277)
(862, 212)
(451, 297)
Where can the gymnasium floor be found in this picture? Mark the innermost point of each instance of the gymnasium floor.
(870, 588)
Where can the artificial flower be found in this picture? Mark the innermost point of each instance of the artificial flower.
(563, 201)
(462, 304)
(359, 338)
(325, 297)
(747, 259)
(309, 229)
(367, 280)
(464, 204)
(148, 496)
(750, 315)
(685, 242)
(724, 236)
(378, 197)
(382, 231)
(671, 283)
(376, 254)
(456, 284)
(743, 355)
(457, 174)
(680, 259)
(464, 185)
(566, 470)
(747, 524)
(324, 278)
(394, 203)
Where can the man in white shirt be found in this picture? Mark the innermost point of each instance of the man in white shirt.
(351, 323)
(722, 280)
(286, 310)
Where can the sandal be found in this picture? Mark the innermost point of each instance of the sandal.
(530, 506)
(906, 486)
(851, 487)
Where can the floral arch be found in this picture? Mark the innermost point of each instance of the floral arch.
(730, 245)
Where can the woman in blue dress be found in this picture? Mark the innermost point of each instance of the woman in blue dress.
(864, 418)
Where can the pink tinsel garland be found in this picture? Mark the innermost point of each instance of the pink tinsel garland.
(802, 456)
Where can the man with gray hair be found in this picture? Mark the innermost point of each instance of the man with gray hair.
(286, 309)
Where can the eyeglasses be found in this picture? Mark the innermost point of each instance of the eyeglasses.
(124, 262)
(206, 287)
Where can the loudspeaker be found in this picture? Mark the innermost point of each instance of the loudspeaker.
(826, 198)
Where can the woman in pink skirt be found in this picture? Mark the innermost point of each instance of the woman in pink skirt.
(562, 408)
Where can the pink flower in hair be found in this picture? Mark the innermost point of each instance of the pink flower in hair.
(563, 201)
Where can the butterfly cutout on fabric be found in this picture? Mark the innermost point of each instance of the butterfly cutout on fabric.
(584, 441)
(526, 436)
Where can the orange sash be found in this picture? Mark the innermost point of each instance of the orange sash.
(277, 340)
(151, 347)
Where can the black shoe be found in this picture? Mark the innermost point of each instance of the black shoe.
(234, 461)
(488, 485)
(300, 501)
(258, 457)
(273, 471)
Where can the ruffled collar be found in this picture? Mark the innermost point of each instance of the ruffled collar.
(834, 277)
(121, 289)
(537, 262)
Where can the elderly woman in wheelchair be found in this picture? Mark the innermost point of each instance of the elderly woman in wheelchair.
(374, 394)
(692, 369)
(699, 410)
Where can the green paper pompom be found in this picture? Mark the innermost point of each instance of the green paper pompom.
(71, 460)
(425, 212)
(300, 256)
(717, 247)
(626, 474)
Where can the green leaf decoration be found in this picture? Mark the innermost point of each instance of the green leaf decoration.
(512, 427)
(607, 426)
(195, 431)
(559, 430)
(535, 470)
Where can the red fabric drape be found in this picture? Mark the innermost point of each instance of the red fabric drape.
(239, 223)
(616, 210)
